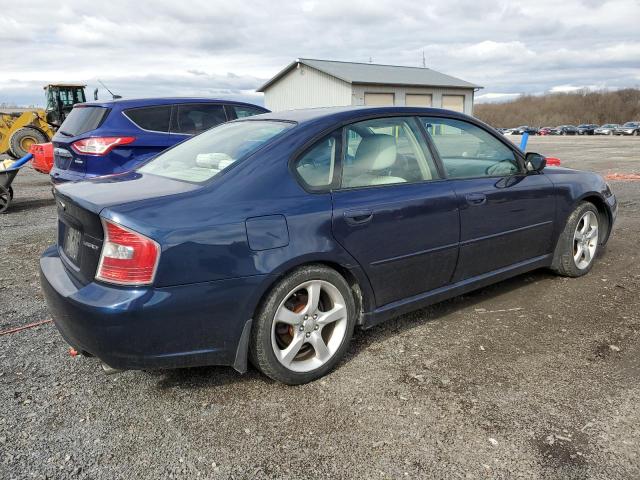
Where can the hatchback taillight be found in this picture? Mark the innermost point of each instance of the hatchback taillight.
(100, 145)
(127, 257)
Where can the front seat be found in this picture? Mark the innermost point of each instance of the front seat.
(375, 155)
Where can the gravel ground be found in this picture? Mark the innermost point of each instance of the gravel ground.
(535, 377)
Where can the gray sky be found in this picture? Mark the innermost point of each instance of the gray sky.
(227, 49)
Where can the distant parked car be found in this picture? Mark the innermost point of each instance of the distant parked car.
(587, 129)
(102, 138)
(629, 128)
(273, 237)
(566, 130)
(546, 131)
(606, 129)
(524, 129)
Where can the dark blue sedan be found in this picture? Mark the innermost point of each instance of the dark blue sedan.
(271, 238)
(102, 138)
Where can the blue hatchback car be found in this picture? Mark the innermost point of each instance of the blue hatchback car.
(271, 238)
(102, 138)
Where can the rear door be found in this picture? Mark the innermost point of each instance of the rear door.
(392, 212)
(506, 215)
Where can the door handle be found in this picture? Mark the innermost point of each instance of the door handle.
(476, 198)
(358, 217)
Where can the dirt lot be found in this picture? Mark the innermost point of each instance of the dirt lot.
(536, 377)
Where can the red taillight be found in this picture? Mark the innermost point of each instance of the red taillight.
(100, 145)
(127, 257)
(553, 161)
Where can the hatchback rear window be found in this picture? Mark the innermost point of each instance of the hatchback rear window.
(83, 119)
(156, 119)
(204, 156)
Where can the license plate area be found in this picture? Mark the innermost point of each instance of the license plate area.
(71, 245)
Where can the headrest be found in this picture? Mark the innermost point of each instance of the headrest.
(376, 152)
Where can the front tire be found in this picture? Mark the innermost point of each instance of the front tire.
(579, 242)
(304, 326)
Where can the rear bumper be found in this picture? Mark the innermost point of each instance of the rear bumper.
(127, 328)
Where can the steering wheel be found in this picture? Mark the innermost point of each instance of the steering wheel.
(498, 168)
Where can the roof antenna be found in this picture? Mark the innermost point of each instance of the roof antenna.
(424, 60)
(113, 95)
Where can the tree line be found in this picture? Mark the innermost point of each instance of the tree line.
(553, 109)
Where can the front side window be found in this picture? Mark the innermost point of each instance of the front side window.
(316, 166)
(156, 119)
(192, 119)
(385, 151)
(468, 151)
(203, 157)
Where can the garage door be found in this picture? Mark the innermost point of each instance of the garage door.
(453, 102)
(381, 99)
(417, 100)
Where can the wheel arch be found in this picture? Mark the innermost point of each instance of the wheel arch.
(603, 211)
(358, 282)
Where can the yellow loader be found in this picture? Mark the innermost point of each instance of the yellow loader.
(22, 128)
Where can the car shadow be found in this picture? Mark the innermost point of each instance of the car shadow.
(26, 205)
(217, 376)
(396, 325)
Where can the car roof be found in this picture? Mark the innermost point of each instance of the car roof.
(146, 102)
(348, 113)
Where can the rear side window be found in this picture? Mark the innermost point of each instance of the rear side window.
(193, 119)
(156, 119)
(316, 167)
(83, 119)
(242, 112)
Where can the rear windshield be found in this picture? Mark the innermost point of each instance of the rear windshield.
(83, 119)
(204, 156)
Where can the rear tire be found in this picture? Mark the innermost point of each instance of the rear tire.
(304, 326)
(22, 139)
(578, 244)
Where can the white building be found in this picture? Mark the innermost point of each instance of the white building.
(308, 83)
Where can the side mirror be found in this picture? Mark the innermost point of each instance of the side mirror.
(534, 162)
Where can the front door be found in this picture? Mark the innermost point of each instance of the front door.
(506, 215)
(392, 212)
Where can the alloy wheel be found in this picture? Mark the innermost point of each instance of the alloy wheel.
(585, 240)
(309, 326)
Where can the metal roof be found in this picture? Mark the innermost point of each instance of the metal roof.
(373, 73)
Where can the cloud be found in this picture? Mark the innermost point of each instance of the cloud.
(214, 48)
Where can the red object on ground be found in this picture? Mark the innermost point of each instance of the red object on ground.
(73, 352)
(42, 157)
(623, 176)
(553, 161)
(24, 327)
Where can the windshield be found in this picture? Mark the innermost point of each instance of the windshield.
(204, 156)
(630, 124)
